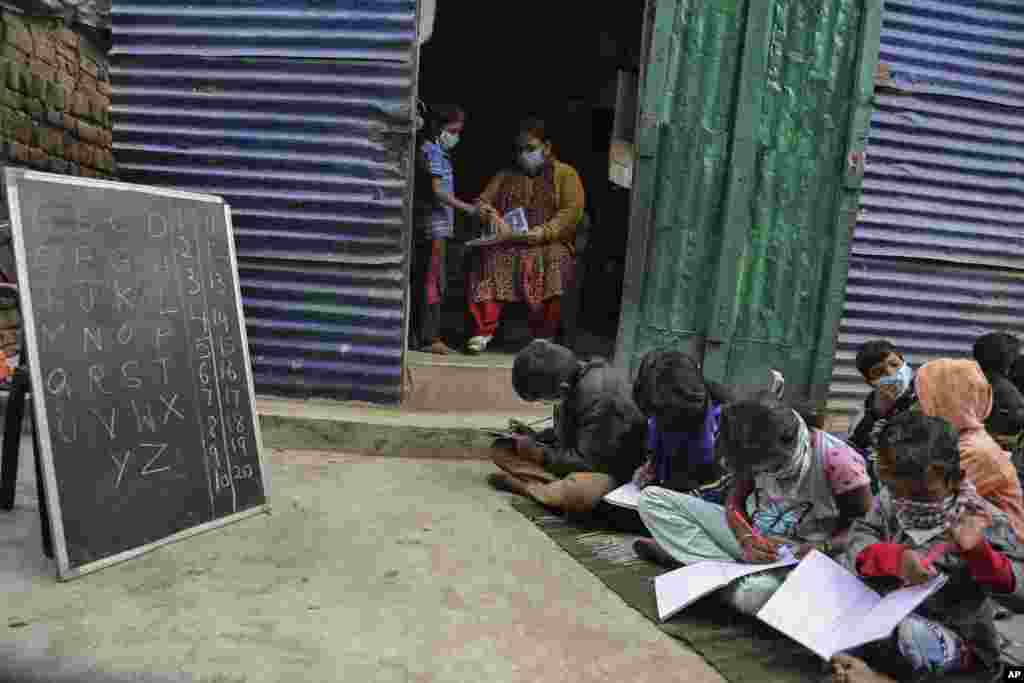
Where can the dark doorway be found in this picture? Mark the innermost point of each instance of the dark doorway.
(562, 62)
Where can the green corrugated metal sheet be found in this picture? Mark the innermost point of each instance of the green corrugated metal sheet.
(742, 199)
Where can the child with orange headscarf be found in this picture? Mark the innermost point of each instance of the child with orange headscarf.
(957, 391)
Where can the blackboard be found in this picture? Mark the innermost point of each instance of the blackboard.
(141, 380)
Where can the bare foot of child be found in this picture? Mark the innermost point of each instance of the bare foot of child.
(846, 669)
(648, 549)
(438, 348)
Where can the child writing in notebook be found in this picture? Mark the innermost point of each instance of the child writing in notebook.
(929, 519)
(683, 411)
(794, 486)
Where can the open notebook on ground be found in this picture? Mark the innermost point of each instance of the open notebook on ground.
(626, 496)
(820, 605)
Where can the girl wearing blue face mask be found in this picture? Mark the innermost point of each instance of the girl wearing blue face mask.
(436, 204)
(533, 267)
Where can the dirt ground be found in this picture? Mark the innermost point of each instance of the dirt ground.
(368, 569)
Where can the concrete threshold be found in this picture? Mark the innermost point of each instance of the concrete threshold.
(381, 430)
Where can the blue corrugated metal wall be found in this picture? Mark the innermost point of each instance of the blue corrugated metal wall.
(938, 254)
(299, 113)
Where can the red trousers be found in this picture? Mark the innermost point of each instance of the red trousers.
(544, 319)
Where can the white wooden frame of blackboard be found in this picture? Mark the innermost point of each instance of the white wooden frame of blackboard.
(64, 571)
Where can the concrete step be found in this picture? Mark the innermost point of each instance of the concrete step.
(450, 401)
(376, 430)
(446, 384)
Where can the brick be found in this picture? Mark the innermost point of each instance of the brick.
(87, 84)
(53, 141)
(98, 108)
(12, 53)
(108, 138)
(86, 156)
(68, 68)
(18, 76)
(55, 119)
(41, 75)
(90, 133)
(70, 124)
(88, 172)
(44, 71)
(18, 152)
(68, 37)
(69, 83)
(12, 99)
(45, 45)
(38, 157)
(71, 148)
(16, 33)
(65, 52)
(56, 96)
(89, 66)
(79, 103)
(106, 89)
(21, 130)
(35, 108)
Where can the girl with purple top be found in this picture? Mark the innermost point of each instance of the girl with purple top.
(683, 412)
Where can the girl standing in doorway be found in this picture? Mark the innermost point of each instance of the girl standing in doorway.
(436, 204)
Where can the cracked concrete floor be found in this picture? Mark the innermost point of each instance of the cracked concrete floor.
(369, 569)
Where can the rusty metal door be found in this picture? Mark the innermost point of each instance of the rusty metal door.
(752, 123)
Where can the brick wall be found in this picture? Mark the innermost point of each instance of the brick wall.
(54, 99)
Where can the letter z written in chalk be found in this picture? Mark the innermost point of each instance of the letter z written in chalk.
(153, 466)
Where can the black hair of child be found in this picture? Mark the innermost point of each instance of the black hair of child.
(670, 383)
(540, 370)
(755, 431)
(918, 442)
(996, 352)
(871, 353)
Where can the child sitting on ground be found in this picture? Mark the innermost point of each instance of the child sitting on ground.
(794, 486)
(955, 389)
(683, 411)
(929, 519)
(996, 354)
(892, 381)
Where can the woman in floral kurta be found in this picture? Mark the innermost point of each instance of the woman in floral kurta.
(536, 267)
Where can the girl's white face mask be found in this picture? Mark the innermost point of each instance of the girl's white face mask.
(532, 161)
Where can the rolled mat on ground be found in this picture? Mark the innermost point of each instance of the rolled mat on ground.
(741, 649)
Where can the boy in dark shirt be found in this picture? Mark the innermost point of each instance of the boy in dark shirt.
(598, 440)
(892, 380)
